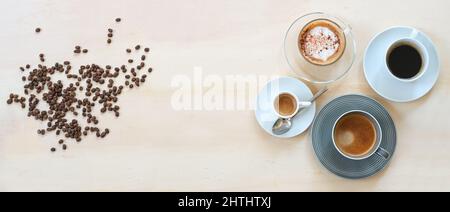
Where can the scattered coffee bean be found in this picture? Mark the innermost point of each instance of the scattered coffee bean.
(52, 101)
(38, 30)
(118, 20)
(109, 41)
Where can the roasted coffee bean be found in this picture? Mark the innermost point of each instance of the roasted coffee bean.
(150, 70)
(53, 149)
(69, 98)
(64, 147)
(118, 20)
(109, 41)
(38, 30)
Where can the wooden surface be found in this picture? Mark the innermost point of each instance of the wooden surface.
(152, 147)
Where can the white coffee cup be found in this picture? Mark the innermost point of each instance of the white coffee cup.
(376, 149)
(410, 41)
(297, 105)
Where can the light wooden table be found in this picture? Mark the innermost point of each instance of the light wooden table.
(155, 148)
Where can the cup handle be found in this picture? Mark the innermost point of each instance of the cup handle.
(383, 153)
(347, 29)
(414, 34)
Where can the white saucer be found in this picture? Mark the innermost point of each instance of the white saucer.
(383, 82)
(265, 113)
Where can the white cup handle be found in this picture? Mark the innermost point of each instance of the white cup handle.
(415, 33)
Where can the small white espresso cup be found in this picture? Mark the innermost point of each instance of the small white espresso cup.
(410, 41)
(376, 149)
(297, 104)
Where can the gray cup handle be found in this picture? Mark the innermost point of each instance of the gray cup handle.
(383, 153)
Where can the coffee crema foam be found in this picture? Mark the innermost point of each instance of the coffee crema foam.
(321, 42)
(355, 135)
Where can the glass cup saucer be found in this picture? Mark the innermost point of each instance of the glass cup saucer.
(319, 74)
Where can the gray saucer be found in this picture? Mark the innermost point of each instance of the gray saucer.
(327, 154)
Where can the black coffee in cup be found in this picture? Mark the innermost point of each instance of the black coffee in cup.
(404, 61)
